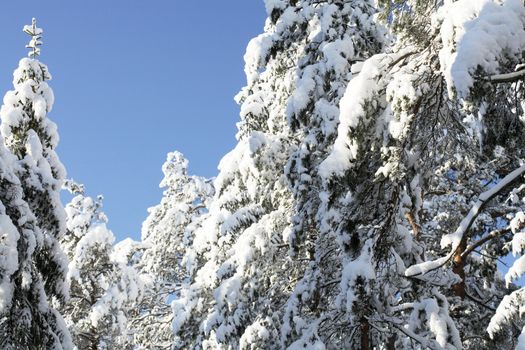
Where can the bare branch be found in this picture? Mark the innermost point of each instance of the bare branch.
(480, 302)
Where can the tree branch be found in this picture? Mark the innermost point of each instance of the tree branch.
(506, 77)
(480, 302)
(457, 237)
(483, 240)
(425, 343)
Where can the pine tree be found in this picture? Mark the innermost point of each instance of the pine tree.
(487, 181)
(262, 235)
(33, 267)
(365, 205)
(415, 183)
(103, 288)
(166, 234)
(343, 35)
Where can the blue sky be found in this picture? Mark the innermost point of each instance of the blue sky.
(134, 80)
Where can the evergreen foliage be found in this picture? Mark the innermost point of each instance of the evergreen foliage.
(166, 235)
(104, 290)
(34, 266)
(376, 186)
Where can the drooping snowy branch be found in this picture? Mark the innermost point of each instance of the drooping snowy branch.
(455, 238)
(474, 37)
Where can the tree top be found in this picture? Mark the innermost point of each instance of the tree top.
(35, 42)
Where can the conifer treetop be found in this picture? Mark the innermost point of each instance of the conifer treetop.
(35, 42)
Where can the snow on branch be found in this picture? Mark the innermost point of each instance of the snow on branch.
(508, 309)
(475, 36)
(506, 77)
(454, 239)
(36, 34)
(425, 343)
(481, 241)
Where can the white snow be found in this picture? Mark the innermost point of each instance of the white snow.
(511, 305)
(257, 48)
(98, 235)
(478, 34)
(362, 266)
(337, 54)
(8, 258)
(255, 332)
(454, 239)
(353, 109)
(270, 5)
(516, 270)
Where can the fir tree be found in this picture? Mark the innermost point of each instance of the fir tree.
(34, 279)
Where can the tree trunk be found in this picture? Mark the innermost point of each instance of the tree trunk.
(365, 334)
(458, 267)
(391, 345)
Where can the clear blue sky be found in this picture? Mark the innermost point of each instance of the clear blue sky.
(134, 80)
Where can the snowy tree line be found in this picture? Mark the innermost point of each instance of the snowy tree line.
(374, 200)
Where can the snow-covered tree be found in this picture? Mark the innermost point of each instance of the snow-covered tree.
(103, 287)
(344, 34)
(33, 266)
(414, 185)
(481, 60)
(166, 235)
(258, 237)
(375, 189)
(365, 205)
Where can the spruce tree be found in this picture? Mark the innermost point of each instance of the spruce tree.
(34, 279)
